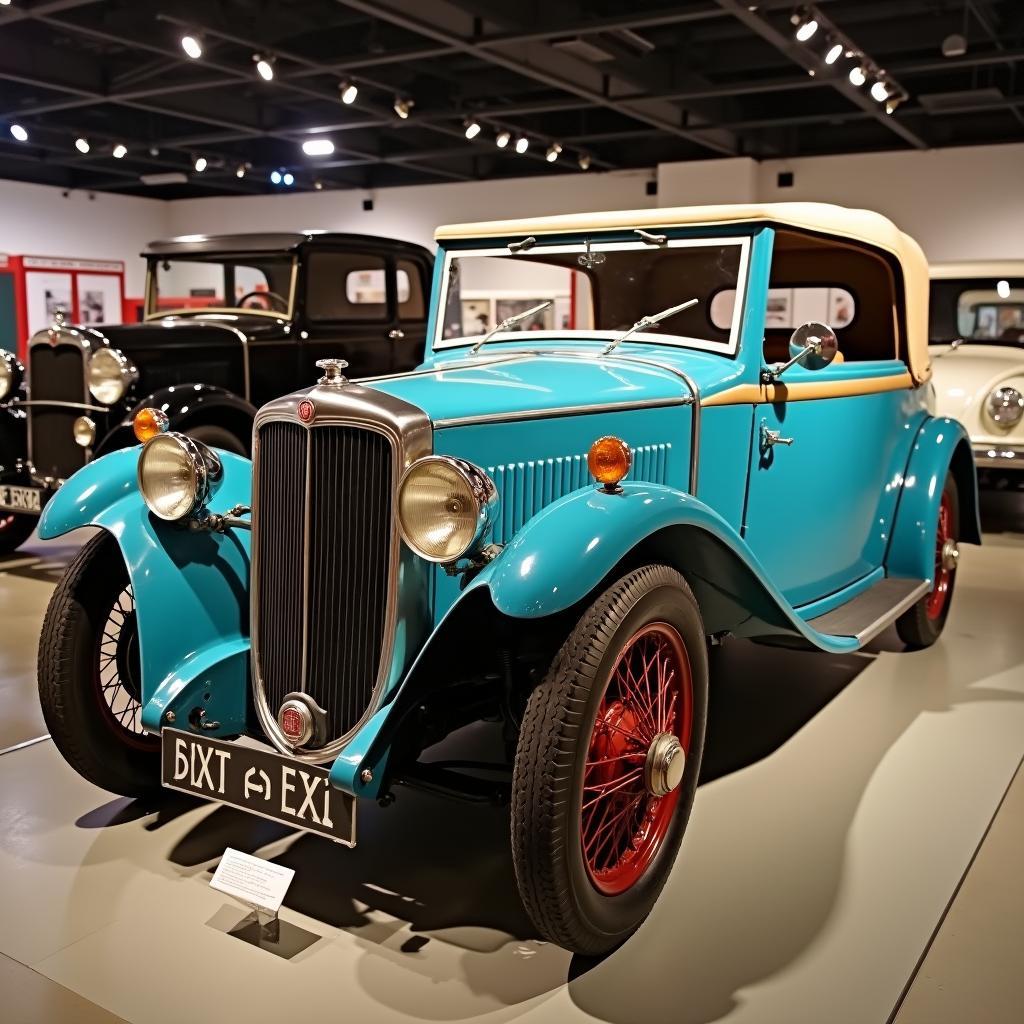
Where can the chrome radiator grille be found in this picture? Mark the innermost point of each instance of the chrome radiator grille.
(322, 553)
(55, 375)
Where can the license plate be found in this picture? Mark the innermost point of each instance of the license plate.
(21, 499)
(270, 785)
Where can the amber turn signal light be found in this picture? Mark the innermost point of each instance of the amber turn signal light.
(609, 460)
(148, 423)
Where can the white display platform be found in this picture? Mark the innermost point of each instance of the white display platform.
(847, 796)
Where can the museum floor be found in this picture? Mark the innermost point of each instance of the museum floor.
(853, 856)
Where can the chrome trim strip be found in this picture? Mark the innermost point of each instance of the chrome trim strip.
(61, 405)
(409, 431)
(306, 515)
(873, 629)
(560, 411)
(999, 456)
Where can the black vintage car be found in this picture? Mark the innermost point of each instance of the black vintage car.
(230, 321)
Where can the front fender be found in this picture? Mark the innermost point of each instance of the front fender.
(942, 445)
(191, 588)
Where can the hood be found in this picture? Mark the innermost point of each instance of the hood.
(526, 384)
(171, 333)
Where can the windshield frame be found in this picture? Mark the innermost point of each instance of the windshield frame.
(664, 337)
(152, 313)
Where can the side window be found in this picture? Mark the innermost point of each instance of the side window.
(346, 286)
(791, 307)
(412, 304)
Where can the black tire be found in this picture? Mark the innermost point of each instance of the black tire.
(921, 625)
(218, 437)
(556, 881)
(89, 674)
(15, 529)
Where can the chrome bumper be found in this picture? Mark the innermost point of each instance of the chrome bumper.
(999, 457)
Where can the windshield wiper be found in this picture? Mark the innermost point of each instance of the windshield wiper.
(646, 322)
(508, 322)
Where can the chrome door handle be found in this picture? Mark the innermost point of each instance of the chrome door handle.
(770, 438)
(396, 334)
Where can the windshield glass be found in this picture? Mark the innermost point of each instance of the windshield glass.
(597, 291)
(982, 310)
(253, 284)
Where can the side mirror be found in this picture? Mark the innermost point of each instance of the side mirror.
(813, 345)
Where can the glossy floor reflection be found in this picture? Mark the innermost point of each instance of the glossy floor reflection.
(842, 800)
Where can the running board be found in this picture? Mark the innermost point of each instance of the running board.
(867, 614)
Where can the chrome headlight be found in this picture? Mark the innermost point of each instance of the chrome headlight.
(10, 373)
(1005, 407)
(109, 375)
(174, 475)
(445, 507)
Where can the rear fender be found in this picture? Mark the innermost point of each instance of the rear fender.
(191, 589)
(942, 445)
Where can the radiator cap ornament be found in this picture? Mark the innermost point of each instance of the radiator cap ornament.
(332, 368)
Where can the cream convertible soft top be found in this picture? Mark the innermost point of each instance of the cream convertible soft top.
(822, 218)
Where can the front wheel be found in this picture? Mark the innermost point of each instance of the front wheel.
(90, 674)
(607, 762)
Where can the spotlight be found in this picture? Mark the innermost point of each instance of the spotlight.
(552, 153)
(318, 147)
(318, 185)
(806, 25)
(154, 150)
(240, 171)
(1003, 289)
(880, 91)
(348, 90)
(954, 45)
(201, 164)
(584, 161)
(472, 129)
(275, 177)
(835, 51)
(192, 46)
(858, 75)
(891, 105)
(402, 106)
(502, 139)
(19, 133)
(288, 178)
(264, 67)
(522, 144)
(120, 151)
(82, 145)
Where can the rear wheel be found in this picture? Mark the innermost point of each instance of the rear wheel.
(921, 625)
(607, 762)
(15, 529)
(218, 437)
(90, 674)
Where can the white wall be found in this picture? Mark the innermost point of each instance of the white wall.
(36, 220)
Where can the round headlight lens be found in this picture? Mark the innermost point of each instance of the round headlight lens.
(172, 476)
(444, 507)
(6, 374)
(109, 375)
(1006, 407)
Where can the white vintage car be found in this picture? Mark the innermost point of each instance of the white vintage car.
(976, 330)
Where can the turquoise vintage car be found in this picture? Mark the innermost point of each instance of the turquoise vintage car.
(633, 435)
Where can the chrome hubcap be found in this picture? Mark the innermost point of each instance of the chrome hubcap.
(950, 555)
(664, 766)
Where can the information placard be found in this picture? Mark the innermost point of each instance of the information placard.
(256, 882)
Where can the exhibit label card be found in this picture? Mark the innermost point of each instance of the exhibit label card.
(252, 880)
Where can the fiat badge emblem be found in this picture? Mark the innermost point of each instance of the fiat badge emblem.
(306, 410)
(296, 722)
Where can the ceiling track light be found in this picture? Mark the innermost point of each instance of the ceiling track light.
(502, 139)
(82, 145)
(288, 178)
(834, 52)
(19, 132)
(806, 22)
(242, 169)
(522, 144)
(200, 164)
(193, 46)
(275, 177)
(318, 147)
(584, 161)
(880, 91)
(472, 128)
(858, 75)
(264, 67)
(318, 185)
(120, 151)
(348, 91)
(553, 152)
(403, 106)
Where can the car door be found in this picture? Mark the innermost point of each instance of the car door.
(412, 288)
(349, 310)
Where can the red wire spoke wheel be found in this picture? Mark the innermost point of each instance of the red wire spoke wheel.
(939, 596)
(636, 757)
(607, 762)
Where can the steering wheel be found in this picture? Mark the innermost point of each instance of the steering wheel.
(269, 301)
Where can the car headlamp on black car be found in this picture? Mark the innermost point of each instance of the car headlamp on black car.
(110, 375)
(175, 474)
(11, 374)
(445, 508)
